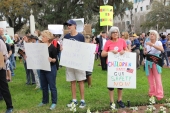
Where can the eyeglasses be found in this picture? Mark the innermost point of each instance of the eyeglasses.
(69, 24)
(114, 32)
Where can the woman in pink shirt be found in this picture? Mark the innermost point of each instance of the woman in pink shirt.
(115, 45)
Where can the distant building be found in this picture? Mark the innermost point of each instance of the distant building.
(133, 19)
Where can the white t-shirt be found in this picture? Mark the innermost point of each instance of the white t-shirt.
(152, 50)
(104, 41)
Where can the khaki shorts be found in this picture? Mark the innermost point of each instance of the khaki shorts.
(75, 74)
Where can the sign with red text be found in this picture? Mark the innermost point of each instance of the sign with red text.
(121, 70)
(106, 15)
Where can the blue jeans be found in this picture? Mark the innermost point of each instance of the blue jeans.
(164, 56)
(48, 78)
(11, 69)
(29, 75)
(12, 60)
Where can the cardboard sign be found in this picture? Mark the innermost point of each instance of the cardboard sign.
(1, 60)
(121, 70)
(87, 29)
(106, 15)
(155, 59)
(78, 55)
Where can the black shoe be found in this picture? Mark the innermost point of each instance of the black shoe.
(33, 83)
(121, 104)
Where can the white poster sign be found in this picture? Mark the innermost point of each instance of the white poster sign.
(10, 32)
(167, 31)
(55, 29)
(80, 24)
(16, 50)
(121, 70)
(37, 56)
(78, 55)
(3, 25)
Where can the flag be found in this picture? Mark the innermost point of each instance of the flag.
(129, 70)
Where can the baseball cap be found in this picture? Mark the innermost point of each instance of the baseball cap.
(33, 37)
(72, 22)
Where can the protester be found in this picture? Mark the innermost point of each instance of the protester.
(102, 40)
(4, 89)
(30, 78)
(125, 35)
(48, 78)
(73, 75)
(115, 45)
(17, 43)
(141, 40)
(8, 71)
(168, 48)
(135, 48)
(153, 70)
(88, 74)
(56, 44)
(36, 72)
(164, 54)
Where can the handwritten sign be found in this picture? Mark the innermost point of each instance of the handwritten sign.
(78, 55)
(1, 60)
(37, 56)
(155, 59)
(16, 50)
(106, 15)
(121, 70)
(55, 29)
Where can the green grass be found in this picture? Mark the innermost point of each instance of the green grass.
(26, 98)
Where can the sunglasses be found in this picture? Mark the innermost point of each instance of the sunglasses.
(69, 24)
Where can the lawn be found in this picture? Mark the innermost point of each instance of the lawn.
(26, 98)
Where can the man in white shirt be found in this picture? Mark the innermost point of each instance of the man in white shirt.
(102, 41)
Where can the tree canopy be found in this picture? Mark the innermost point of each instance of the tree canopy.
(157, 16)
(46, 12)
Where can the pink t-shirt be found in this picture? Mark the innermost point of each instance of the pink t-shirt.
(119, 45)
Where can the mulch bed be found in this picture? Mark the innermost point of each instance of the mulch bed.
(141, 109)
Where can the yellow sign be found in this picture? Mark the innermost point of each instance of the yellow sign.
(106, 15)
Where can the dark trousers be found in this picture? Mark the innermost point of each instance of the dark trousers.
(141, 56)
(29, 75)
(4, 89)
(164, 56)
(103, 62)
(48, 79)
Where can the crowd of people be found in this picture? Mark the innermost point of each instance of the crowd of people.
(112, 41)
